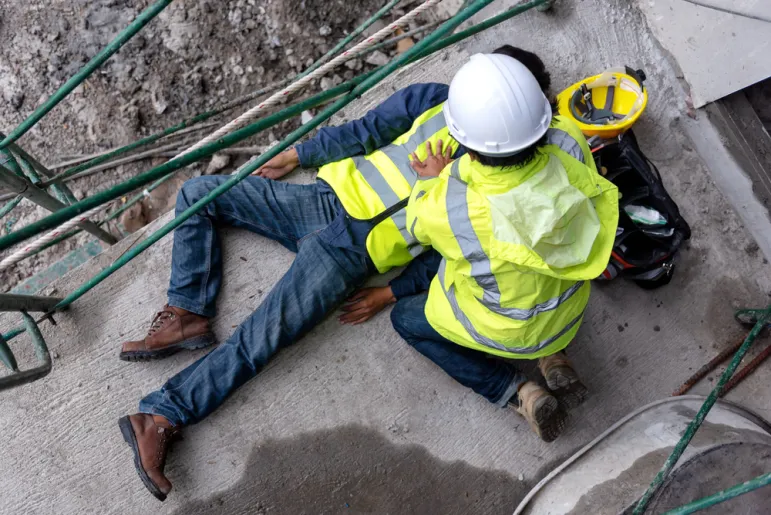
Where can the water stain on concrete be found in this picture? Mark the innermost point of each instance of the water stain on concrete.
(356, 470)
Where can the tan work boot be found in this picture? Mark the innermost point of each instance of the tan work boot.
(172, 330)
(542, 411)
(562, 380)
(149, 437)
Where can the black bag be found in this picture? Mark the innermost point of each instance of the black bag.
(643, 252)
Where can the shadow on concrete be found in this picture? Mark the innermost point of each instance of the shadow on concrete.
(353, 470)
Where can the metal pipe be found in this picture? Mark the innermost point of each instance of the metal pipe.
(43, 356)
(10, 205)
(722, 496)
(76, 160)
(14, 302)
(31, 192)
(122, 161)
(135, 26)
(702, 414)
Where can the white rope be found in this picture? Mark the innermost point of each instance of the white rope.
(279, 96)
(250, 115)
(26, 250)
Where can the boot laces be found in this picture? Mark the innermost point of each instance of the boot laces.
(159, 321)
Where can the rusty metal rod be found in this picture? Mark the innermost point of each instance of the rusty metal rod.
(746, 370)
(706, 369)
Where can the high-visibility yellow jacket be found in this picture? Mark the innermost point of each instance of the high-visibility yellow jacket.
(520, 245)
(377, 187)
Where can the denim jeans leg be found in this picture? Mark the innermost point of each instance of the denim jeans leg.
(320, 278)
(281, 211)
(494, 379)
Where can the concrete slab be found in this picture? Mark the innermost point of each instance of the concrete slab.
(352, 419)
(719, 53)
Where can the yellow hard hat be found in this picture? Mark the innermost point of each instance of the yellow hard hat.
(607, 104)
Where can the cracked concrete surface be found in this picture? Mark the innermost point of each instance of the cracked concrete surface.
(351, 419)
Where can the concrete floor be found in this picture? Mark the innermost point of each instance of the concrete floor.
(353, 420)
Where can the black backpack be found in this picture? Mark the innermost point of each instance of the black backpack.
(643, 252)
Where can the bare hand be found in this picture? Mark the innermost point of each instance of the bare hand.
(280, 165)
(434, 163)
(366, 303)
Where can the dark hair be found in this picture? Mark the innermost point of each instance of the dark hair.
(521, 158)
(533, 63)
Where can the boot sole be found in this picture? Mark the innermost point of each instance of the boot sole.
(128, 434)
(194, 343)
(550, 419)
(564, 384)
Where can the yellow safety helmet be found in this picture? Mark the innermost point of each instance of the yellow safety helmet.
(607, 104)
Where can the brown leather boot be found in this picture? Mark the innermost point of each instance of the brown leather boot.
(149, 437)
(562, 380)
(543, 413)
(172, 330)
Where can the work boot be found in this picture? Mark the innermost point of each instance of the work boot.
(149, 437)
(542, 411)
(172, 330)
(562, 380)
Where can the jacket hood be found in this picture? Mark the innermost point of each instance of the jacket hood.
(557, 221)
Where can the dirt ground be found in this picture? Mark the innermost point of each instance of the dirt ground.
(197, 54)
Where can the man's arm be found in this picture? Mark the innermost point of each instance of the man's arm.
(376, 129)
(416, 278)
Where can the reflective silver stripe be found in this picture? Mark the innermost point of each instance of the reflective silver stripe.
(400, 154)
(455, 169)
(565, 142)
(543, 307)
(484, 340)
(471, 247)
(425, 131)
(389, 198)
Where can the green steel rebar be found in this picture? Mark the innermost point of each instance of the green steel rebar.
(43, 356)
(10, 206)
(61, 192)
(295, 135)
(13, 333)
(702, 414)
(59, 177)
(6, 356)
(22, 186)
(722, 496)
(165, 169)
(126, 34)
(400, 37)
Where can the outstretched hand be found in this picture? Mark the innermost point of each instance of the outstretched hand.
(434, 163)
(366, 303)
(280, 165)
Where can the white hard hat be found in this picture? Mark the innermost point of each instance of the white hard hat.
(496, 106)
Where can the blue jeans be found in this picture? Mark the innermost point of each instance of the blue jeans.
(320, 278)
(492, 378)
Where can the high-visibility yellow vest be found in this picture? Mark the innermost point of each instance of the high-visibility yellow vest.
(520, 245)
(377, 186)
